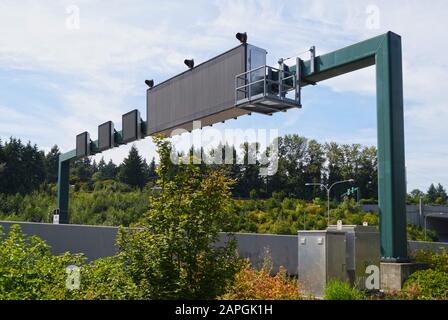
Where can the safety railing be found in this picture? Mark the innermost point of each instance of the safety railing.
(265, 81)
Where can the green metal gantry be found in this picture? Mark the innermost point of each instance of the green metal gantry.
(384, 51)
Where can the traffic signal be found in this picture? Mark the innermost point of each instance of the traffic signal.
(350, 191)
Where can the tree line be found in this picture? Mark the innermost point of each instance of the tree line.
(24, 168)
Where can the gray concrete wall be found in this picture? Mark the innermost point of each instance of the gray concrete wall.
(94, 241)
(412, 211)
(436, 217)
(282, 249)
(97, 242)
(429, 246)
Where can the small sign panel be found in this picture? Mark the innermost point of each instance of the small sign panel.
(106, 136)
(131, 126)
(83, 145)
(56, 219)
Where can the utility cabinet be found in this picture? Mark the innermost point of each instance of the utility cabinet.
(322, 258)
(362, 251)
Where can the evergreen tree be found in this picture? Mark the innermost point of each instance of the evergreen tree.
(132, 171)
(23, 167)
(12, 175)
(249, 177)
(52, 164)
(110, 171)
(105, 171)
(291, 177)
(152, 174)
(145, 172)
(32, 168)
(315, 160)
(101, 164)
(230, 165)
(441, 194)
(367, 175)
(431, 195)
(2, 156)
(94, 167)
(335, 166)
(414, 196)
(2, 165)
(82, 169)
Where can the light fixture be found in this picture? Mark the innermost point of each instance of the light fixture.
(189, 63)
(242, 37)
(149, 83)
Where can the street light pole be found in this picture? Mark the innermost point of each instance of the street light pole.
(328, 189)
(425, 227)
(328, 205)
(304, 219)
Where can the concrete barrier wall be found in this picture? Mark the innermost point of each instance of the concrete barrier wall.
(97, 242)
(412, 211)
(414, 246)
(94, 241)
(283, 250)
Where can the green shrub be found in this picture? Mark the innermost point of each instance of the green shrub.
(338, 290)
(173, 255)
(28, 269)
(104, 279)
(428, 284)
(253, 284)
(435, 261)
(417, 233)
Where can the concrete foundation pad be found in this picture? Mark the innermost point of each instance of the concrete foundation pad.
(394, 274)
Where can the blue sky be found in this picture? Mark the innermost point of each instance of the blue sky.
(57, 81)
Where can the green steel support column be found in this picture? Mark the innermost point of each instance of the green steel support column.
(63, 190)
(391, 156)
(385, 52)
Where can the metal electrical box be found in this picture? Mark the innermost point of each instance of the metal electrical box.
(205, 93)
(362, 250)
(322, 258)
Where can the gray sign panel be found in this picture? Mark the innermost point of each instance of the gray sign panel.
(131, 126)
(83, 145)
(106, 136)
(205, 93)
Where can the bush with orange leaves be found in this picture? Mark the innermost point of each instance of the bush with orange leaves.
(253, 284)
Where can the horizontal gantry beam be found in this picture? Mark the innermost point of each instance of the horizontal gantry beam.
(384, 51)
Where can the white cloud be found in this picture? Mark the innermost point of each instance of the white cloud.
(119, 44)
